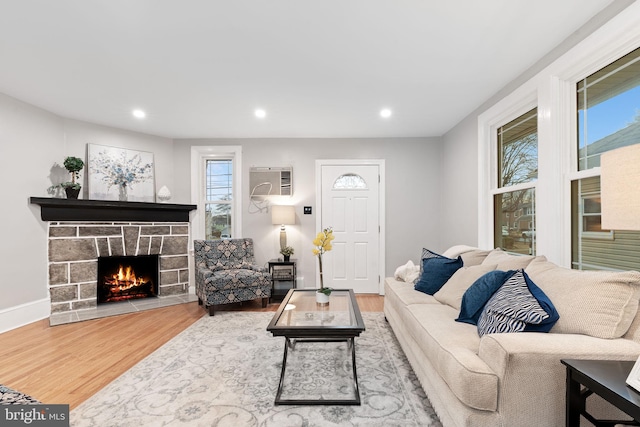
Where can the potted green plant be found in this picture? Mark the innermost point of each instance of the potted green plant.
(74, 165)
(286, 252)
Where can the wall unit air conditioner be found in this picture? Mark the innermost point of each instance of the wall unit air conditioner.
(267, 181)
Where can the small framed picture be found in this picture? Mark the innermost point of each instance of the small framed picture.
(633, 380)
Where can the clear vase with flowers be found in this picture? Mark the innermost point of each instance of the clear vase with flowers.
(322, 244)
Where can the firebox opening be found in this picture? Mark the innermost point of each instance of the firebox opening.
(122, 278)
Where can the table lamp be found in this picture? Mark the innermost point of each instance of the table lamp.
(283, 215)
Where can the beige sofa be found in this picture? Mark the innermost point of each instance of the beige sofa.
(513, 379)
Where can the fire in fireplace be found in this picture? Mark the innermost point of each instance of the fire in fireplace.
(122, 278)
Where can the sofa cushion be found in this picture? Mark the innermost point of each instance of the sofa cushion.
(451, 292)
(452, 349)
(518, 306)
(475, 257)
(404, 294)
(601, 304)
(507, 261)
(479, 293)
(470, 254)
(436, 270)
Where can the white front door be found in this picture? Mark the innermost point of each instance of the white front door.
(350, 197)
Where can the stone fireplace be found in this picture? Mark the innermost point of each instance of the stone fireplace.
(74, 248)
(79, 234)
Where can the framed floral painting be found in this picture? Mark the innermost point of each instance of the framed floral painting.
(120, 174)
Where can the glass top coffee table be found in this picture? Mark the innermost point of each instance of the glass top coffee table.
(301, 320)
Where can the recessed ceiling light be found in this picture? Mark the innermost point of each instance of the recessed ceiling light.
(139, 114)
(260, 113)
(385, 113)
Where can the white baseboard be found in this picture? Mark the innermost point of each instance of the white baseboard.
(20, 315)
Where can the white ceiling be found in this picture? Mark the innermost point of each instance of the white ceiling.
(320, 68)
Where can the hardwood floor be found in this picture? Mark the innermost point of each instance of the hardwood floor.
(69, 363)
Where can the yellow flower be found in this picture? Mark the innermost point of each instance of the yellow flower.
(322, 242)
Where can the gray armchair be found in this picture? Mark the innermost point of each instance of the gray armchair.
(226, 273)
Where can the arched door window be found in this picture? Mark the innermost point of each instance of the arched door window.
(350, 181)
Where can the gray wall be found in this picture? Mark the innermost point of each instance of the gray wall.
(31, 140)
(459, 197)
(413, 175)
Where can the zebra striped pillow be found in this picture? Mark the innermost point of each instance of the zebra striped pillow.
(519, 305)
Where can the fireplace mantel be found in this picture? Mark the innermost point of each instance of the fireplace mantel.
(54, 209)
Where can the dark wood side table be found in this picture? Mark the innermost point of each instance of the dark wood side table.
(283, 277)
(607, 379)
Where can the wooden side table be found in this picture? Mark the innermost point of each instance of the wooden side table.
(283, 277)
(607, 379)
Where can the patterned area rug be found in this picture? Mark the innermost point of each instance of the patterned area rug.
(224, 371)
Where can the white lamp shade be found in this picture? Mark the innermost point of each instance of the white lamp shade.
(283, 215)
(620, 188)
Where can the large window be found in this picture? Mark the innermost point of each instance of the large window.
(514, 199)
(218, 198)
(608, 109)
(216, 184)
(608, 118)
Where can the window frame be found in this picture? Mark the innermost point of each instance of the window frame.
(574, 172)
(502, 189)
(604, 234)
(208, 201)
(488, 184)
(199, 155)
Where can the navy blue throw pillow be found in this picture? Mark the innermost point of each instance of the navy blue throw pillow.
(436, 270)
(475, 298)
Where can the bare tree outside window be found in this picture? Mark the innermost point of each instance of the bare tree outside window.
(518, 150)
(514, 211)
